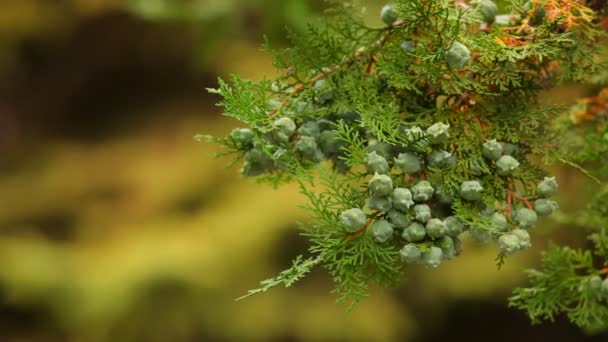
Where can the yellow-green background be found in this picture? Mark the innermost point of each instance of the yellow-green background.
(115, 225)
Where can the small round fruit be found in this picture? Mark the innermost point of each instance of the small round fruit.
(422, 212)
(382, 204)
(438, 159)
(480, 235)
(547, 187)
(283, 129)
(330, 142)
(388, 14)
(382, 230)
(604, 287)
(524, 238)
(402, 199)
(242, 138)
(492, 149)
(353, 219)
(508, 243)
(256, 163)
(525, 218)
(408, 163)
(443, 197)
(500, 222)
(477, 170)
(595, 282)
(471, 190)
(410, 253)
(545, 207)
(323, 92)
(310, 129)
(380, 185)
(423, 191)
(488, 10)
(448, 247)
(398, 219)
(374, 163)
(506, 165)
(433, 257)
(435, 228)
(308, 149)
(457, 56)
(407, 45)
(509, 149)
(454, 226)
(438, 132)
(381, 148)
(414, 232)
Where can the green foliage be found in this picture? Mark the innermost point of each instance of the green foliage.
(460, 98)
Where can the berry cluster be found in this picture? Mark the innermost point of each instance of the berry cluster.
(406, 207)
(597, 286)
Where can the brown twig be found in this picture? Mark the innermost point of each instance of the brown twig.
(364, 228)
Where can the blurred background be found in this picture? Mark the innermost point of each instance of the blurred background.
(116, 225)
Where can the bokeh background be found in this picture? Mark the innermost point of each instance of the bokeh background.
(116, 225)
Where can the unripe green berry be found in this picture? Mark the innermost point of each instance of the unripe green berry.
(325, 125)
(353, 219)
(407, 45)
(380, 185)
(480, 235)
(457, 56)
(388, 14)
(438, 132)
(423, 191)
(443, 197)
(595, 283)
(398, 219)
(492, 149)
(381, 148)
(410, 253)
(604, 288)
(454, 226)
(435, 228)
(413, 134)
(402, 199)
(471, 190)
(310, 129)
(308, 148)
(382, 230)
(323, 92)
(242, 138)
(283, 129)
(414, 232)
(330, 142)
(506, 165)
(256, 163)
(508, 243)
(408, 163)
(375, 163)
(488, 10)
(433, 257)
(545, 207)
(382, 203)
(525, 218)
(547, 187)
(524, 238)
(438, 158)
(422, 212)
(447, 246)
(500, 222)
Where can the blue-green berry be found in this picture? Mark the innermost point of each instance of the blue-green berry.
(402, 199)
(500, 222)
(508, 243)
(310, 129)
(283, 129)
(438, 132)
(524, 238)
(423, 191)
(330, 142)
(325, 125)
(433, 257)
(480, 235)
(414, 232)
(388, 14)
(381, 148)
(407, 45)
(438, 158)
(471, 190)
(435, 228)
(382, 230)
(308, 149)
(595, 282)
(382, 203)
(410, 253)
(454, 226)
(375, 163)
(408, 163)
(353, 219)
(509, 149)
(256, 163)
(413, 134)
(422, 212)
(443, 197)
(547, 187)
(457, 56)
(380, 185)
(492, 149)
(242, 138)
(398, 219)
(604, 288)
(488, 10)
(525, 218)
(545, 207)
(506, 165)
(448, 247)
(323, 92)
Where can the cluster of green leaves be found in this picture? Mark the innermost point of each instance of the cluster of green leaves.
(371, 84)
